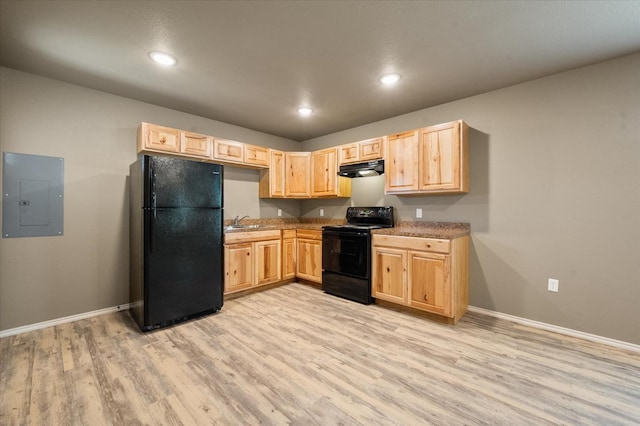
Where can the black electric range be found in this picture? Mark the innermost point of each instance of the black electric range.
(346, 253)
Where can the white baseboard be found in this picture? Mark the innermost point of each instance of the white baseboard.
(566, 331)
(58, 321)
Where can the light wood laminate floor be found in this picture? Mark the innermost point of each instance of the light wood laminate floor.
(294, 355)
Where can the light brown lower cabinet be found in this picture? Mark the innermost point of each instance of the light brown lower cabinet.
(257, 258)
(268, 261)
(238, 266)
(309, 251)
(288, 254)
(252, 259)
(423, 273)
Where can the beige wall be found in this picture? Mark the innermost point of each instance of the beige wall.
(555, 193)
(555, 166)
(87, 269)
(242, 198)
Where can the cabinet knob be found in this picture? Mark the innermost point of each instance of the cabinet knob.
(388, 270)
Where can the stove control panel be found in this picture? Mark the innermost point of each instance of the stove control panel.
(370, 216)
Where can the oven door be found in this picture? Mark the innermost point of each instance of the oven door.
(346, 253)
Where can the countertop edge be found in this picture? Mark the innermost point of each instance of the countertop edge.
(440, 230)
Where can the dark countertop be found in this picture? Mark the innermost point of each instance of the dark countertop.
(442, 230)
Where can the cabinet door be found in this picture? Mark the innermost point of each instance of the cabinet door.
(288, 258)
(401, 163)
(371, 149)
(440, 162)
(389, 274)
(324, 173)
(429, 282)
(195, 144)
(272, 179)
(238, 266)
(228, 150)
(158, 138)
(309, 265)
(297, 178)
(348, 153)
(268, 258)
(256, 155)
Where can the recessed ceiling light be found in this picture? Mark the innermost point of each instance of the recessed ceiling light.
(163, 58)
(389, 79)
(305, 111)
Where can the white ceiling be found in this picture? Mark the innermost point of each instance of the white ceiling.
(253, 63)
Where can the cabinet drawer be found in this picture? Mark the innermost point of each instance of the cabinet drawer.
(244, 237)
(288, 233)
(413, 243)
(309, 234)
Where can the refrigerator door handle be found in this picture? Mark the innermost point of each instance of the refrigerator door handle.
(152, 181)
(152, 225)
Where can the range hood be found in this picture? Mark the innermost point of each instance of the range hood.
(370, 168)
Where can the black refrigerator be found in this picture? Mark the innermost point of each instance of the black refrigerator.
(176, 240)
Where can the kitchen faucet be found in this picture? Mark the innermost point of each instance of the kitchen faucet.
(237, 220)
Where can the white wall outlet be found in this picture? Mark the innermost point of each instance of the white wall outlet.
(553, 285)
(279, 212)
(321, 212)
(419, 213)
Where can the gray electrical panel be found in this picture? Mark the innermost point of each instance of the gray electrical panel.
(32, 195)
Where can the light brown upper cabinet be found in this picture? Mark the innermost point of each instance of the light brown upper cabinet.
(241, 154)
(429, 160)
(303, 175)
(227, 150)
(444, 158)
(272, 179)
(424, 161)
(367, 150)
(156, 138)
(256, 155)
(196, 145)
(401, 163)
(325, 181)
(297, 182)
